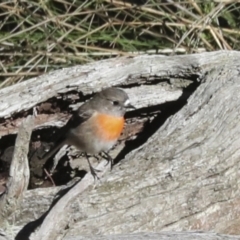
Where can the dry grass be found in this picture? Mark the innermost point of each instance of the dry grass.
(39, 36)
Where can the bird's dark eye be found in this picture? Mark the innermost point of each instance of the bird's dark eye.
(115, 103)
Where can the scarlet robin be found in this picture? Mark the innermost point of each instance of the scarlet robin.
(96, 126)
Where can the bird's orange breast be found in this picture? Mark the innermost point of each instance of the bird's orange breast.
(109, 127)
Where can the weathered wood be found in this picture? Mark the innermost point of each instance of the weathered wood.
(19, 171)
(185, 177)
(159, 236)
(18, 179)
(55, 221)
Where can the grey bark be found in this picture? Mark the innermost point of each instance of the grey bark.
(18, 179)
(185, 177)
(162, 236)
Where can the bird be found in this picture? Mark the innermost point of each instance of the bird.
(96, 126)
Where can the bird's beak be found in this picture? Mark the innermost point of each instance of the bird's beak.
(127, 104)
(130, 106)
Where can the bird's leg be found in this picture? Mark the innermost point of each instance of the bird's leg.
(109, 159)
(97, 157)
(92, 170)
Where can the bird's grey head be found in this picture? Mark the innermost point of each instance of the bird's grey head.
(114, 100)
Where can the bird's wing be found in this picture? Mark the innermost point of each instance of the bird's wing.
(81, 115)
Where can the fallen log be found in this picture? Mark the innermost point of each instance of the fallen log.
(181, 176)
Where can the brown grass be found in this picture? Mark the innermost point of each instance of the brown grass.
(39, 36)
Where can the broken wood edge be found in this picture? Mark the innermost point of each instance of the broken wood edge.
(57, 218)
(19, 171)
